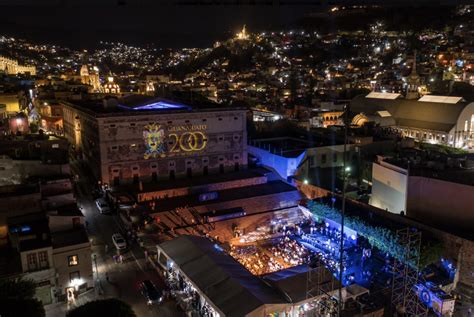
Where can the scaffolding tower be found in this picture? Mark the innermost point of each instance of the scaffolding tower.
(405, 300)
(319, 284)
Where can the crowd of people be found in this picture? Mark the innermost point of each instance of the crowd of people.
(256, 260)
(290, 251)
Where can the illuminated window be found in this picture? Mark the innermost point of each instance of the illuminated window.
(55, 146)
(73, 260)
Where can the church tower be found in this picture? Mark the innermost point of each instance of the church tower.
(413, 82)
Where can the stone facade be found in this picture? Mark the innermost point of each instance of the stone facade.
(158, 146)
(11, 67)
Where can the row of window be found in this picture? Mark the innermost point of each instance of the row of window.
(39, 260)
(133, 124)
(172, 164)
(134, 146)
(172, 173)
(424, 135)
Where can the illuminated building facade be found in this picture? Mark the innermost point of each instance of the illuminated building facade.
(139, 138)
(111, 87)
(11, 67)
(432, 119)
(90, 77)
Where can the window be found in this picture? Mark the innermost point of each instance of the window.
(235, 118)
(43, 259)
(132, 124)
(32, 262)
(55, 146)
(334, 157)
(112, 126)
(74, 276)
(73, 260)
(186, 121)
(114, 147)
(220, 138)
(204, 120)
(323, 159)
(220, 119)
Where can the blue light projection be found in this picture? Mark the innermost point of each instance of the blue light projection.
(160, 105)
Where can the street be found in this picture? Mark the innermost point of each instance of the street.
(123, 278)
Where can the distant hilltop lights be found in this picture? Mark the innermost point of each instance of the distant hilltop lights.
(242, 35)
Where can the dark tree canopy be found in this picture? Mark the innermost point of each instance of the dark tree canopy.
(104, 307)
(16, 299)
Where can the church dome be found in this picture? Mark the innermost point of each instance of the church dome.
(111, 87)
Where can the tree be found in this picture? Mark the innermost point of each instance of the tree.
(17, 298)
(104, 307)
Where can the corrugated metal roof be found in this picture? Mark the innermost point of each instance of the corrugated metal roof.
(231, 287)
(412, 113)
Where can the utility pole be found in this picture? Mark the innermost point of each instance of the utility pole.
(346, 170)
(97, 274)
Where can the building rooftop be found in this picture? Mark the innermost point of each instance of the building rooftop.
(70, 210)
(186, 182)
(269, 188)
(143, 105)
(69, 237)
(430, 113)
(292, 146)
(227, 284)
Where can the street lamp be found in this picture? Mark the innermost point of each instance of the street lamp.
(346, 169)
(97, 274)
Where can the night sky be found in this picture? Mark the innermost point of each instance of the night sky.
(140, 22)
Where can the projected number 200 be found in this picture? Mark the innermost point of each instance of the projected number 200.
(188, 142)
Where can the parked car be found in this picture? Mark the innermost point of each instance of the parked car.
(151, 293)
(102, 206)
(119, 241)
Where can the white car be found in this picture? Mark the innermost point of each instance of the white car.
(102, 206)
(119, 241)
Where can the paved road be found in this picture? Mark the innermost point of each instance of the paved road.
(124, 278)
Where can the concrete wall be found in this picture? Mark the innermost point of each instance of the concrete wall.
(63, 269)
(12, 101)
(116, 147)
(311, 191)
(435, 201)
(283, 166)
(174, 192)
(15, 171)
(389, 188)
(23, 256)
